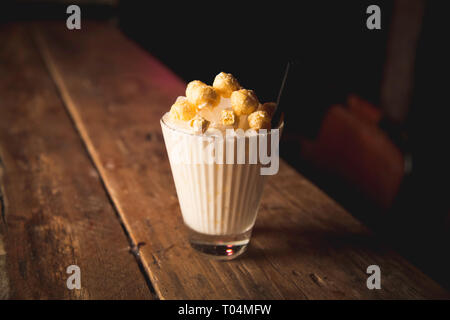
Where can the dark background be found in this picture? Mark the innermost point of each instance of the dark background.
(254, 41)
(336, 56)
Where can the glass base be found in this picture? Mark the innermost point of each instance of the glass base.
(220, 247)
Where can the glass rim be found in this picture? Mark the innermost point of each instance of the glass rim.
(184, 132)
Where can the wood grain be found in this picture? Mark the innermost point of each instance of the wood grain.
(304, 246)
(55, 212)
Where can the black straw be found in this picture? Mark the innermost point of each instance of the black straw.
(279, 110)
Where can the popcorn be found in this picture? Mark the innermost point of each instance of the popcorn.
(180, 98)
(225, 84)
(227, 117)
(182, 110)
(268, 107)
(223, 105)
(199, 94)
(244, 101)
(259, 120)
(199, 124)
(192, 86)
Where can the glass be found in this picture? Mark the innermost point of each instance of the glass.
(219, 192)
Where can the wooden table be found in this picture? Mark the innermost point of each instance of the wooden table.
(85, 181)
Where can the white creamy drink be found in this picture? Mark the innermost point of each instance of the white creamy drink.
(219, 188)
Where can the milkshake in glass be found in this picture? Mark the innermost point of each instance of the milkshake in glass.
(216, 137)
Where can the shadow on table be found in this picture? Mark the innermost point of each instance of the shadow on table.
(284, 241)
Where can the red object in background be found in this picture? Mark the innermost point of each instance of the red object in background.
(363, 109)
(352, 146)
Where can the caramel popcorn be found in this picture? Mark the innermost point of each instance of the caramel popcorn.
(192, 86)
(182, 110)
(223, 105)
(227, 117)
(268, 107)
(200, 94)
(199, 124)
(244, 102)
(259, 120)
(225, 84)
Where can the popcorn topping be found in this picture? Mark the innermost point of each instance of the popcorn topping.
(199, 124)
(244, 101)
(227, 117)
(225, 84)
(182, 110)
(192, 86)
(224, 104)
(259, 120)
(268, 107)
(199, 95)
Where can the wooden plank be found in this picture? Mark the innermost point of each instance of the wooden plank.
(4, 281)
(55, 212)
(304, 246)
